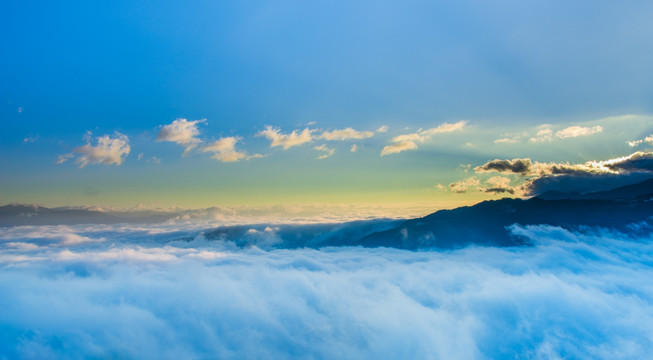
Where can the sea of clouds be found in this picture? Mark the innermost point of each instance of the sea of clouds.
(166, 292)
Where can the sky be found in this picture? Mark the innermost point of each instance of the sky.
(374, 103)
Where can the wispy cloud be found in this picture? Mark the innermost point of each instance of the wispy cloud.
(507, 141)
(326, 151)
(182, 132)
(576, 131)
(544, 134)
(65, 157)
(409, 141)
(108, 150)
(224, 150)
(31, 139)
(398, 147)
(345, 134)
(634, 143)
(464, 185)
(297, 137)
(498, 185)
(286, 141)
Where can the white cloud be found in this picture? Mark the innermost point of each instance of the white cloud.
(543, 135)
(576, 131)
(31, 139)
(286, 141)
(382, 129)
(506, 141)
(224, 150)
(345, 134)
(634, 143)
(409, 141)
(63, 158)
(444, 128)
(108, 150)
(501, 185)
(498, 181)
(398, 147)
(354, 148)
(327, 151)
(464, 185)
(182, 132)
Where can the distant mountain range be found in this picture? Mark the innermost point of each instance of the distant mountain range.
(21, 214)
(485, 223)
(641, 190)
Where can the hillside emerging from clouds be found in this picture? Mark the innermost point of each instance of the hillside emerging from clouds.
(624, 209)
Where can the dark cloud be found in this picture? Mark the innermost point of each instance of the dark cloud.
(639, 161)
(588, 177)
(500, 190)
(592, 176)
(517, 166)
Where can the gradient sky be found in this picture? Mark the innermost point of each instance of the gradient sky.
(75, 72)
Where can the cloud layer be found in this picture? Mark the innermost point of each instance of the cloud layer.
(135, 294)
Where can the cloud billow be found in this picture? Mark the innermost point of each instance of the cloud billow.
(224, 150)
(108, 150)
(182, 132)
(131, 294)
(286, 141)
(517, 166)
(566, 177)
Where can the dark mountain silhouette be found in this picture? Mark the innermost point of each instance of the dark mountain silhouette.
(643, 189)
(298, 236)
(20, 214)
(485, 223)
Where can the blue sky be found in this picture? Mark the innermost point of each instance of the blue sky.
(505, 68)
